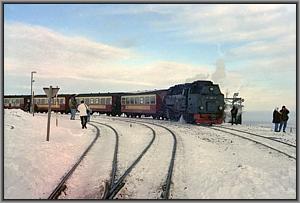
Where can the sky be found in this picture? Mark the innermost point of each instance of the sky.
(85, 48)
(208, 164)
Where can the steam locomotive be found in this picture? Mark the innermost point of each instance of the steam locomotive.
(199, 102)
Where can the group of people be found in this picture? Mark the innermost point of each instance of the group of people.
(84, 111)
(280, 118)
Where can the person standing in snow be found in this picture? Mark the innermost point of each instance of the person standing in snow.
(82, 108)
(276, 119)
(284, 118)
(73, 107)
(89, 113)
(233, 112)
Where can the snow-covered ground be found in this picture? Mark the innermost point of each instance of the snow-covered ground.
(208, 165)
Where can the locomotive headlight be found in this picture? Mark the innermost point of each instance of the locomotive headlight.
(220, 107)
(211, 88)
(201, 107)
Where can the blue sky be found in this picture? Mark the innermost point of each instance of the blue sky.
(250, 48)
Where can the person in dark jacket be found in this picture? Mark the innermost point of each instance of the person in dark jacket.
(234, 112)
(73, 107)
(276, 119)
(284, 118)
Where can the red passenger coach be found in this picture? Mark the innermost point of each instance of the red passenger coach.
(17, 102)
(104, 103)
(147, 104)
(58, 104)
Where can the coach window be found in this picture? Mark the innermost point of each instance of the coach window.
(102, 101)
(127, 100)
(152, 99)
(96, 101)
(5, 101)
(92, 101)
(141, 100)
(147, 100)
(131, 100)
(108, 101)
(137, 100)
(123, 100)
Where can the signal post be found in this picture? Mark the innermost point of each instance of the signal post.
(51, 93)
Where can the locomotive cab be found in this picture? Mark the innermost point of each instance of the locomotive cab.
(206, 104)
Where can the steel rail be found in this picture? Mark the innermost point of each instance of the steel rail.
(115, 188)
(257, 142)
(256, 135)
(61, 186)
(115, 159)
(166, 186)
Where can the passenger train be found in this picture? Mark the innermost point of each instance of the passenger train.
(199, 102)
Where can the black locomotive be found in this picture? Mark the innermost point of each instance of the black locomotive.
(198, 102)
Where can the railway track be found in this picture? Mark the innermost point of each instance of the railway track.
(167, 183)
(114, 162)
(62, 186)
(115, 185)
(266, 137)
(276, 145)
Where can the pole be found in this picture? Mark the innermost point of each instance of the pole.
(56, 103)
(32, 103)
(49, 112)
(31, 92)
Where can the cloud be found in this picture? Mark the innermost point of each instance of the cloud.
(228, 23)
(77, 63)
(159, 74)
(281, 47)
(35, 47)
(259, 39)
